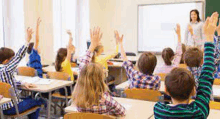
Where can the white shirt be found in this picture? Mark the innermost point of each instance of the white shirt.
(198, 37)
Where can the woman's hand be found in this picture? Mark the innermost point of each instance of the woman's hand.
(190, 29)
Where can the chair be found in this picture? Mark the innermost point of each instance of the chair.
(77, 115)
(7, 91)
(143, 94)
(73, 65)
(57, 95)
(183, 66)
(130, 54)
(162, 76)
(217, 82)
(26, 71)
(214, 105)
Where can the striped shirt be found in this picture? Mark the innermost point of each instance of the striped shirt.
(7, 75)
(140, 80)
(109, 105)
(176, 61)
(35, 62)
(199, 109)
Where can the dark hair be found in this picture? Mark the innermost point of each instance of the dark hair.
(96, 51)
(30, 47)
(179, 83)
(197, 13)
(147, 63)
(167, 54)
(6, 53)
(61, 55)
(183, 51)
(193, 57)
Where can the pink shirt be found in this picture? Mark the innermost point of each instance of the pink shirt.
(165, 68)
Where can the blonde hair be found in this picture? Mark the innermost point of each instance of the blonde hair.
(97, 49)
(90, 86)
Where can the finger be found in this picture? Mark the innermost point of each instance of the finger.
(91, 33)
(122, 37)
(28, 29)
(207, 22)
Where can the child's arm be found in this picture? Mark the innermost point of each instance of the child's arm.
(115, 107)
(70, 48)
(206, 78)
(37, 34)
(120, 41)
(13, 63)
(95, 40)
(179, 47)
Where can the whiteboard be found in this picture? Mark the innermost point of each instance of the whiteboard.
(156, 24)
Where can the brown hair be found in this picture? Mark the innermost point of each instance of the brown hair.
(97, 49)
(183, 51)
(180, 84)
(197, 13)
(6, 53)
(193, 57)
(147, 63)
(167, 54)
(30, 47)
(61, 55)
(90, 86)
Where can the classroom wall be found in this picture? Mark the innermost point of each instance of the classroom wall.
(121, 15)
(41, 8)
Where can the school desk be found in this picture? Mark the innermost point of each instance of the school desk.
(45, 86)
(135, 109)
(130, 58)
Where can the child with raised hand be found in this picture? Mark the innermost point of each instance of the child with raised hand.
(63, 62)
(9, 62)
(143, 78)
(33, 50)
(180, 84)
(91, 93)
(170, 59)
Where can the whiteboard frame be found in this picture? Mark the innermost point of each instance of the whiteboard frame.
(159, 53)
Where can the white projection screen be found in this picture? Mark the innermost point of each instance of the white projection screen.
(156, 23)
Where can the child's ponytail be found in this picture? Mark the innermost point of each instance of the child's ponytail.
(167, 54)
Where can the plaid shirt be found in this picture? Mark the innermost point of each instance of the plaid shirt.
(140, 80)
(7, 75)
(107, 104)
(167, 68)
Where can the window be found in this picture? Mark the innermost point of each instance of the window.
(71, 15)
(1, 25)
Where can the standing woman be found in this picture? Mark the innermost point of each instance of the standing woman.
(194, 34)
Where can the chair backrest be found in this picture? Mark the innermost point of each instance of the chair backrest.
(214, 105)
(73, 64)
(217, 82)
(77, 115)
(58, 75)
(143, 94)
(5, 90)
(162, 76)
(130, 54)
(26, 71)
(182, 65)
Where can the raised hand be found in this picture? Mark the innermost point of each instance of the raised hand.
(178, 32)
(29, 34)
(210, 26)
(37, 34)
(38, 21)
(96, 36)
(118, 38)
(69, 32)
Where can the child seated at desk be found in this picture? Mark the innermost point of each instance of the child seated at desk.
(33, 50)
(91, 93)
(180, 84)
(9, 62)
(63, 62)
(170, 59)
(143, 78)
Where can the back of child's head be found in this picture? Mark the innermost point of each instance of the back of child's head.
(193, 57)
(167, 55)
(147, 63)
(6, 54)
(180, 84)
(30, 47)
(97, 51)
(183, 52)
(90, 86)
(61, 55)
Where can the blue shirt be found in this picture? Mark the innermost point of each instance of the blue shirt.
(35, 62)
